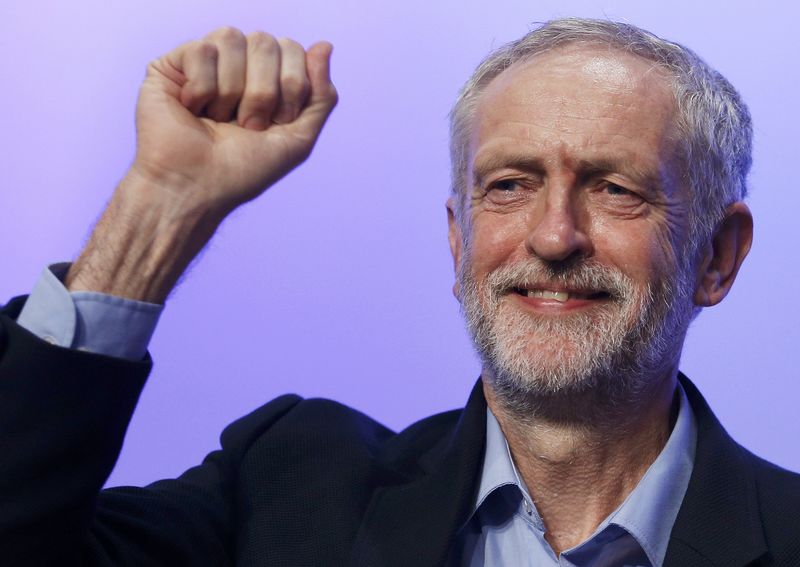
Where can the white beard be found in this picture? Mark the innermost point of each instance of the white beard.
(606, 356)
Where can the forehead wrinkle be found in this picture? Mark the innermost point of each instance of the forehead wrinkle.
(617, 107)
(509, 106)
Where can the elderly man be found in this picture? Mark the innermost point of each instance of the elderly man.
(598, 178)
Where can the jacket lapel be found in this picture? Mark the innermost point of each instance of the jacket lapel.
(415, 523)
(719, 521)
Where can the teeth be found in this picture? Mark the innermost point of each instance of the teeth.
(560, 296)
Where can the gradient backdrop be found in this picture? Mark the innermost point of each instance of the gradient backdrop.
(337, 282)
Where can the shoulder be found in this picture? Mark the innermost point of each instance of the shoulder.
(779, 503)
(736, 503)
(777, 486)
(298, 427)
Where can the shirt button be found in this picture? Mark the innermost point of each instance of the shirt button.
(527, 506)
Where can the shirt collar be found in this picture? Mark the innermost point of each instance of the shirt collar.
(648, 512)
(651, 508)
(498, 468)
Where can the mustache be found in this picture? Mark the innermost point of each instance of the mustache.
(583, 275)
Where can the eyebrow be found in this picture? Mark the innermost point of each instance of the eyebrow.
(648, 180)
(522, 162)
(586, 168)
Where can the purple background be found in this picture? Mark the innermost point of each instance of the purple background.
(337, 282)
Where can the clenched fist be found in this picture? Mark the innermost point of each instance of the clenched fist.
(228, 115)
(218, 121)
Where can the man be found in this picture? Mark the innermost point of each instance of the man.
(598, 178)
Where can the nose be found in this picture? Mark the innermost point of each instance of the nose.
(556, 232)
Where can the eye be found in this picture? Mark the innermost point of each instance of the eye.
(505, 185)
(614, 197)
(619, 194)
(508, 191)
(614, 189)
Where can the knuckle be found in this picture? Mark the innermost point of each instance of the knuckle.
(229, 34)
(262, 40)
(289, 43)
(204, 48)
(330, 94)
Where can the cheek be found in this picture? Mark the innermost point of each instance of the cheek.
(495, 241)
(667, 245)
(643, 251)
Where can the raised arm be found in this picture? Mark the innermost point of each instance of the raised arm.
(219, 120)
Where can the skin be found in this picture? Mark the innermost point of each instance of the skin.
(219, 120)
(573, 156)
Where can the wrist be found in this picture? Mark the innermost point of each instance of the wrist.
(146, 238)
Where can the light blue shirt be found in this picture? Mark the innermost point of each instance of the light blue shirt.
(506, 529)
(86, 320)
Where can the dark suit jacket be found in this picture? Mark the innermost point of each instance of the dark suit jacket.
(303, 482)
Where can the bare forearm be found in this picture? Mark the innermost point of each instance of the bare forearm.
(144, 240)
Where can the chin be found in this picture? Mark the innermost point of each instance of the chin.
(554, 354)
(547, 370)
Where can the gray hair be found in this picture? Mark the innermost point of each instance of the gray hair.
(713, 121)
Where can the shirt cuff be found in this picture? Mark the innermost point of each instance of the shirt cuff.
(87, 320)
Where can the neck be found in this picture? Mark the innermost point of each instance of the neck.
(579, 471)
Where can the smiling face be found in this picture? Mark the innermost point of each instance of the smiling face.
(569, 268)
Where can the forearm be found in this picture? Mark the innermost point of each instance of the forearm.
(145, 239)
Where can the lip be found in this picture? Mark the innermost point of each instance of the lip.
(553, 306)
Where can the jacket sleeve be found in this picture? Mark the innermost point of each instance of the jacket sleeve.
(63, 417)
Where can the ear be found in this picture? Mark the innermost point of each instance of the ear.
(456, 243)
(727, 250)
